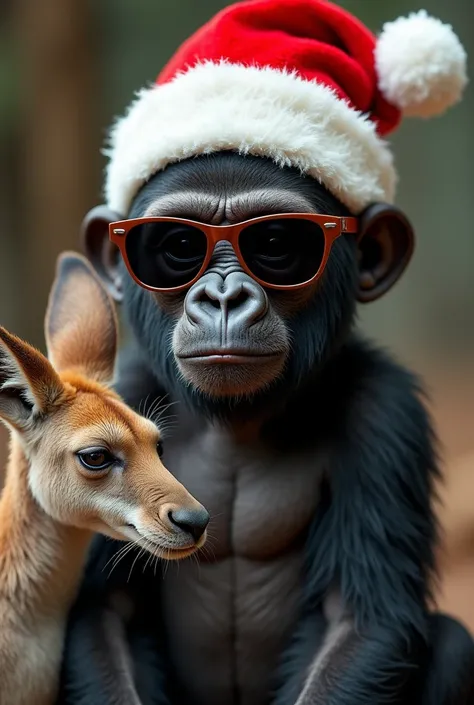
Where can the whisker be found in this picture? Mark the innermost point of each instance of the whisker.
(153, 408)
(143, 413)
(155, 564)
(211, 539)
(114, 555)
(150, 557)
(166, 560)
(157, 411)
(153, 404)
(161, 563)
(142, 401)
(167, 406)
(158, 419)
(160, 410)
(120, 555)
(166, 423)
(166, 431)
(207, 552)
(149, 548)
(168, 420)
(137, 557)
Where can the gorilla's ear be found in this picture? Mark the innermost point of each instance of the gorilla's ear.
(103, 254)
(386, 242)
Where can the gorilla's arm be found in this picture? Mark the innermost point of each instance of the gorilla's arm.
(376, 667)
(374, 539)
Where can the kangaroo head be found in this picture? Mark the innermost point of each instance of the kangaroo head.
(94, 463)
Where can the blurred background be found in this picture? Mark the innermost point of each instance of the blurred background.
(67, 67)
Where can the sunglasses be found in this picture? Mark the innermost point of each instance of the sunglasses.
(286, 251)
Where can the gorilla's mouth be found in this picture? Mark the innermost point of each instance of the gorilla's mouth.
(230, 357)
(231, 372)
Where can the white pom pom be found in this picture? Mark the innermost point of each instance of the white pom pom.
(421, 65)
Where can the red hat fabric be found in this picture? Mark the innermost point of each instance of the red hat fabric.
(302, 82)
(319, 40)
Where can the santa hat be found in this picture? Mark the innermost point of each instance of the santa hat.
(302, 82)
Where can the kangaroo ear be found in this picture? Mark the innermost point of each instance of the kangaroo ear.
(29, 386)
(81, 325)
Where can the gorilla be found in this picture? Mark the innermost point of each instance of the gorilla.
(309, 446)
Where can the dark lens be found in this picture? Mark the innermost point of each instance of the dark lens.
(285, 251)
(165, 254)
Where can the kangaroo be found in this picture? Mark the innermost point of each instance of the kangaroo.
(81, 461)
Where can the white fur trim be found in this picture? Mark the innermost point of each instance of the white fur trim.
(421, 65)
(259, 111)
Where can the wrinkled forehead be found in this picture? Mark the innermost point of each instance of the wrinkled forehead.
(208, 207)
(197, 188)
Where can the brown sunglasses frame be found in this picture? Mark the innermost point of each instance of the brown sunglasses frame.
(332, 227)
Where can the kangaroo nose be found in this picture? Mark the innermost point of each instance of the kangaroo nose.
(193, 521)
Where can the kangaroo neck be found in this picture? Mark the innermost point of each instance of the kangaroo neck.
(41, 561)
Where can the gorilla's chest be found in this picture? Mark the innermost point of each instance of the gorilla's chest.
(229, 614)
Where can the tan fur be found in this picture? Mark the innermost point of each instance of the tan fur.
(50, 504)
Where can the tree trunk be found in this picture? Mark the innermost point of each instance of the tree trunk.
(59, 169)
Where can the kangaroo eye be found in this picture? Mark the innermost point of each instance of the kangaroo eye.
(95, 458)
(159, 448)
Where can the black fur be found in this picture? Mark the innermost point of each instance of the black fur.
(374, 531)
(449, 664)
(378, 533)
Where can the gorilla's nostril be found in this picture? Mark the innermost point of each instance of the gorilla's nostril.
(239, 300)
(192, 521)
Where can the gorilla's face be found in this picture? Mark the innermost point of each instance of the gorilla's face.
(227, 336)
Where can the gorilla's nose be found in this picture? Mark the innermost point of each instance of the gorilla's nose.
(235, 299)
(192, 521)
